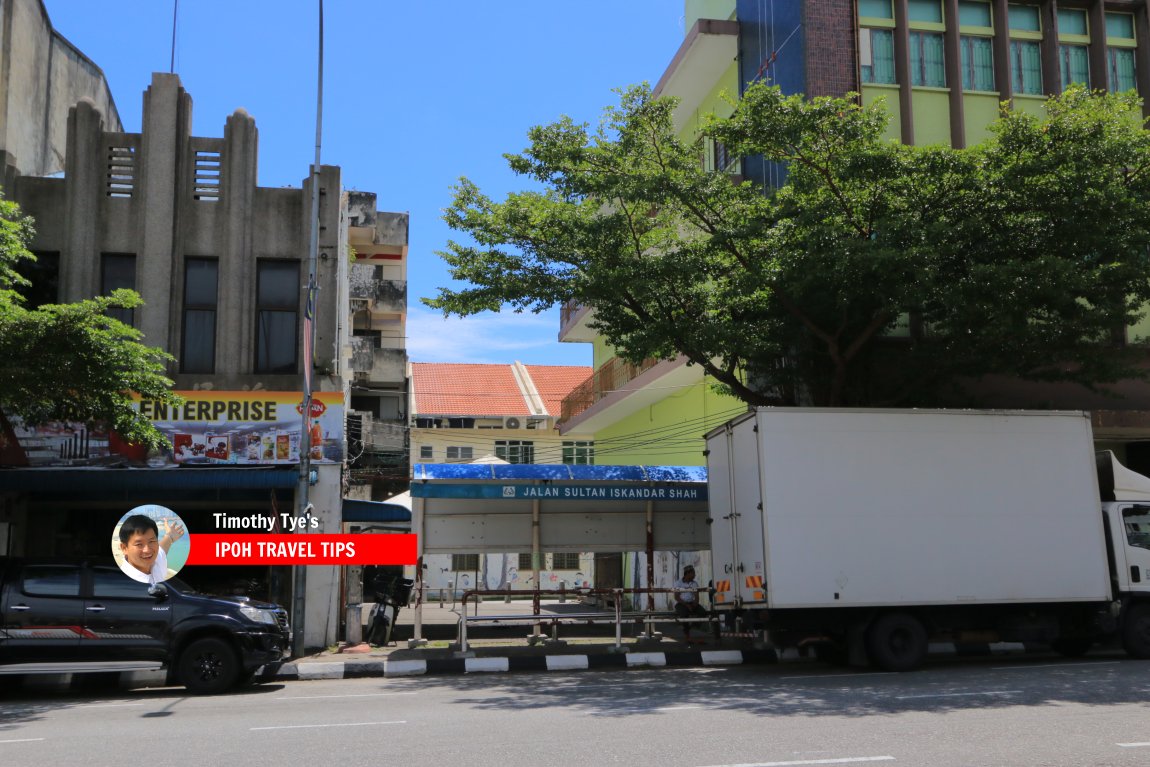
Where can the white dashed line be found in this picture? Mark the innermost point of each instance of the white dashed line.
(844, 760)
(310, 726)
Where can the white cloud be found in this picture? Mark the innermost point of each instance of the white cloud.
(490, 338)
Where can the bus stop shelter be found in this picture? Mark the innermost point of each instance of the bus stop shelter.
(491, 508)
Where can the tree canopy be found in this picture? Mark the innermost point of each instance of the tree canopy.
(876, 273)
(72, 362)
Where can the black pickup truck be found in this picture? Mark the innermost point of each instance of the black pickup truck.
(73, 617)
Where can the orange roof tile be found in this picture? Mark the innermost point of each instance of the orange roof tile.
(444, 388)
(554, 382)
(475, 390)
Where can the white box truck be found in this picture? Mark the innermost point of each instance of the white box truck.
(867, 534)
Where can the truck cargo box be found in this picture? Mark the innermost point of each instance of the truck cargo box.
(815, 508)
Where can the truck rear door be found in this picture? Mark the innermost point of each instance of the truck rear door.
(750, 554)
(736, 515)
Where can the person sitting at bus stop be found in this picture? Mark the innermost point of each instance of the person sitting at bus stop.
(687, 600)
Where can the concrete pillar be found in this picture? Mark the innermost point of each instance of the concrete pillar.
(330, 270)
(163, 169)
(235, 345)
(84, 171)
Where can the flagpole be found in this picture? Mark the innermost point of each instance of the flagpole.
(305, 442)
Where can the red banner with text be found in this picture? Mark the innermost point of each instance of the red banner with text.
(310, 549)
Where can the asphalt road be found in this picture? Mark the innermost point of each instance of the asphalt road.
(1026, 712)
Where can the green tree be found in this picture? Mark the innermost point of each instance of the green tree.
(72, 361)
(874, 274)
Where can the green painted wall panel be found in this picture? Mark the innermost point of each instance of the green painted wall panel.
(1034, 105)
(931, 111)
(717, 102)
(669, 432)
(873, 93)
(978, 112)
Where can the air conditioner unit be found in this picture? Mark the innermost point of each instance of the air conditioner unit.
(511, 423)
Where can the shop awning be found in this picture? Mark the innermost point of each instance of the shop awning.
(374, 511)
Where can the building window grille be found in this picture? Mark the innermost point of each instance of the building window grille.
(565, 561)
(1121, 75)
(876, 56)
(277, 314)
(926, 60)
(515, 451)
(1120, 41)
(1074, 64)
(465, 562)
(1025, 24)
(198, 351)
(458, 453)
(977, 63)
(118, 270)
(1026, 66)
(207, 176)
(525, 561)
(120, 179)
(579, 453)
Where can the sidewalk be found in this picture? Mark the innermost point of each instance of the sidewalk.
(503, 647)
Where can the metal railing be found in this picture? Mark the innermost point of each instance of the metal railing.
(612, 375)
(618, 616)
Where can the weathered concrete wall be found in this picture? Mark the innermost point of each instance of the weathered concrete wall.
(42, 75)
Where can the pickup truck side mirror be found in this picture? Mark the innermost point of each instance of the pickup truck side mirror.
(159, 591)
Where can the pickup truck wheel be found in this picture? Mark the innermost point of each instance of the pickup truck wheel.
(1136, 632)
(897, 642)
(208, 666)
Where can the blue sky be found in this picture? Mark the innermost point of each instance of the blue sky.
(416, 95)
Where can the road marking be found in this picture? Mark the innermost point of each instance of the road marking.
(959, 694)
(844, 760)
(360, 695)
(21, 740)
(661, 709)
(838, 676)
(107, 705)
(337, 724)
(1057, 665)
(1133, 745)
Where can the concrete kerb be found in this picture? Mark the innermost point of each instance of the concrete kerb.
(494, 659)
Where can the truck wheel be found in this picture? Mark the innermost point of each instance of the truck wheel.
(208, 666)
(1136, 632)
(897, 642)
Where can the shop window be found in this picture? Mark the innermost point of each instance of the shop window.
(277, 313)
(118, 270)
(198, 350)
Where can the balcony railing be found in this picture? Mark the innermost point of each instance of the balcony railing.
(611, 376)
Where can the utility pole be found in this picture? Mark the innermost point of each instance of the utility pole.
(305, 444)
